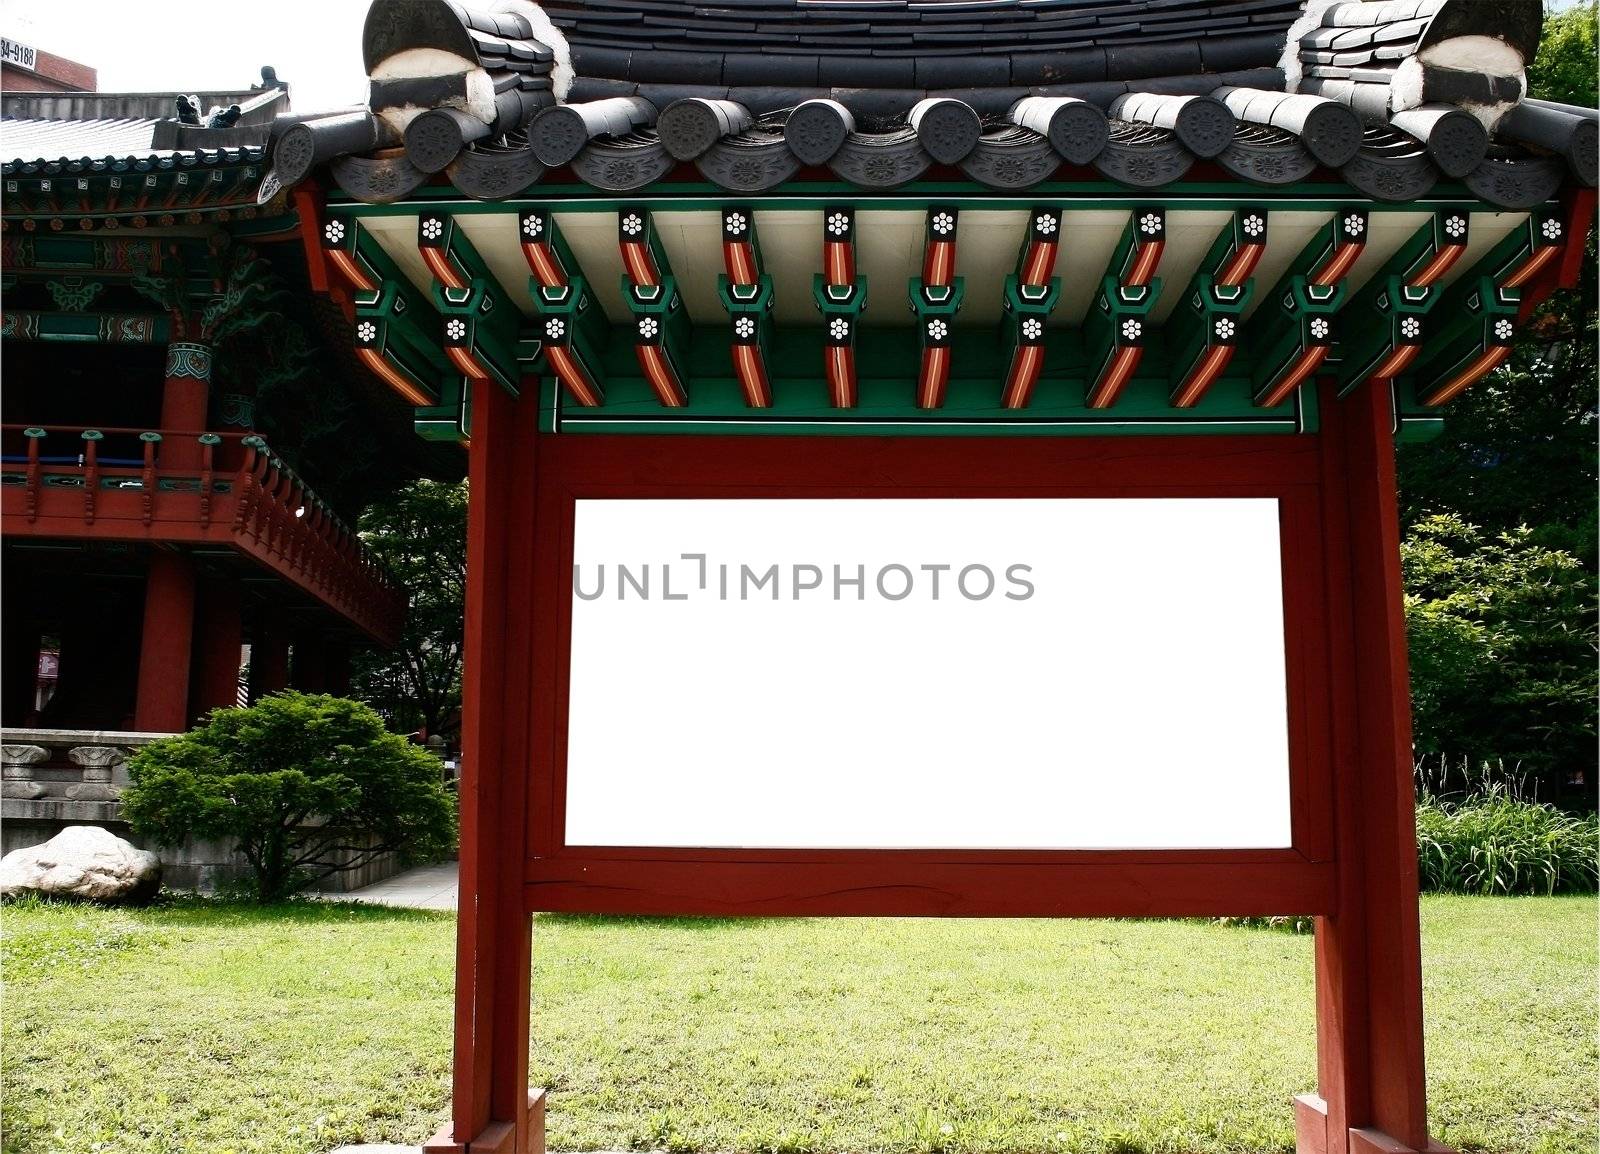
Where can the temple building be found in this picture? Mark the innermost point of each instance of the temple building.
(185, 449)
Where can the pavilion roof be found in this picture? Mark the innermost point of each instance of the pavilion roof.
(1388, 97)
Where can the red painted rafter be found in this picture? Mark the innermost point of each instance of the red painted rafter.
(839, 272)
(743, 266)
(938, 272)
(1034, 267)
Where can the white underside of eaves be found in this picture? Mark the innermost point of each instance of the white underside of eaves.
(550, 36)
(417, 63)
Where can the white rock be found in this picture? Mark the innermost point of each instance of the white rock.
(82, 861)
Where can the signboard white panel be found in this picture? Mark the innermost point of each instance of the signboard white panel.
(928, 674)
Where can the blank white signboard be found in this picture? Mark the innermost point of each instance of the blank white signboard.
(1124, 690)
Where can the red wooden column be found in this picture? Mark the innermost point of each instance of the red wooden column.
(1370, 1096)
(185, 399)
(162, 703)
(493, 1111)
(217, 647)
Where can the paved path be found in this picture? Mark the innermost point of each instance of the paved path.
(427, 888)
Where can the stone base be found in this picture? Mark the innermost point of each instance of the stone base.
(93, 791)
(1311, 1133)
(496, 1137)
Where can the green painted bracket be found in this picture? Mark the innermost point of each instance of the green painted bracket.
(477, 317)
(1120, 318)
(748, 305)
(1026, 310)
(1401, 320)
(451, 419)
(1212, 316)
(569, 318)
(489, 333)
(839, 300)
(1478, 316)
(659, 318)
(1306, 317)
(384, 325)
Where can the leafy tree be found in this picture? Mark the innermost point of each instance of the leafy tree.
(1519, 447)
(1565, 68)
(305, 785)
(420, 533)
(1503, 647)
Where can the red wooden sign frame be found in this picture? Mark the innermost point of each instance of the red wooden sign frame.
(1353, 861)
(931, 882)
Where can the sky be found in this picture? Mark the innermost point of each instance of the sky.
(187, 46)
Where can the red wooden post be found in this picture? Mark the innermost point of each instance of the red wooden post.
(185, 396)
(492, 1110)
(91, 472)
(218, 647)
(162, 703)
(1368, 954)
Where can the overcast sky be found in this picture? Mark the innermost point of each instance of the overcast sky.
(188, 45)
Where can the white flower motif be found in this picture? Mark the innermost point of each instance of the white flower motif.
(554, 327)
(943, 223)
(1410, 327)
(1131, 329)
(744, 327)
(366, 331)
(1224, 327)
(432, 228)
(1354, 225)
(648, 327)
(1551, 229)
(735, 222)
(838, 223)
(937, 330)
(455, 328)
(1254, 225)
(633, 224)
(1455, 226)
(532, 226)
(334, 231)
(1150, 224)
(1032, 328)
(838, 328)
(1319, 327)
(1045, 223)
(1502, 329)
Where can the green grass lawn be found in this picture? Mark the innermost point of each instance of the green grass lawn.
(209, 1028)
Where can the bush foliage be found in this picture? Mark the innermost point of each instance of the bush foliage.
(1502, 638)
(1498, 845)
(304, 785)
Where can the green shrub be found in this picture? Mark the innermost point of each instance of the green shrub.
(304, 785)
(1498, 845)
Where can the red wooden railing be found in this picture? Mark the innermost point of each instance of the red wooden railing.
(194, 487)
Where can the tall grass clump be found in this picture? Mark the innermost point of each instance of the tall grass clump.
(1495, 844)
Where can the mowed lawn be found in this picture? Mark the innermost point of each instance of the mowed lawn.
(208, 1028)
